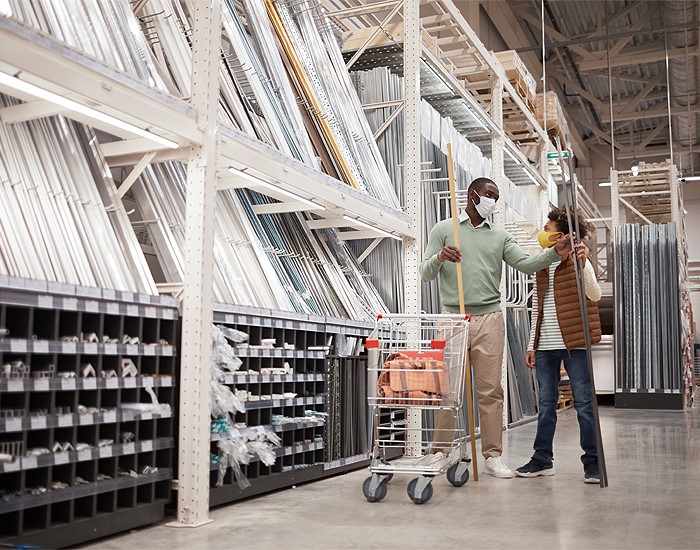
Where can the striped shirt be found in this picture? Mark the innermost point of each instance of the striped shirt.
(550, 333)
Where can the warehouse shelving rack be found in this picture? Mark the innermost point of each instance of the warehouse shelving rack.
(303, 455)
(75, 488)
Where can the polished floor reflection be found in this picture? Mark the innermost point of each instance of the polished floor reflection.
(653, 501)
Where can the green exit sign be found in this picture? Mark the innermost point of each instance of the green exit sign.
(564, 155)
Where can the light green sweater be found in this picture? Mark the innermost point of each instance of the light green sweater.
(483, 251)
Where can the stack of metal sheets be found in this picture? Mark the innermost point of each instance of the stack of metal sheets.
(647, 307)
(61, 217)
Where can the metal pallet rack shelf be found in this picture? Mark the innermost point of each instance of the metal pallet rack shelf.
(76, 464)
(190, 129)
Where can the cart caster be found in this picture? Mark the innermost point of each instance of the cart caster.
(458, 474)
(388, 478)
(374, 488)
(420, 490)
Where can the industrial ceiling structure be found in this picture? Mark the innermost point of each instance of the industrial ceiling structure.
(626, 72)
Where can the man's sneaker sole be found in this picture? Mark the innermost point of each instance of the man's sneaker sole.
(545, 472)
(591, 480)
(500, 475)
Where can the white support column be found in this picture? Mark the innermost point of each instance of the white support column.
(544, 191)
(412, 186)
(497, 150)
(676, 213)
(614, 198)
(195, 392)
(412, 154)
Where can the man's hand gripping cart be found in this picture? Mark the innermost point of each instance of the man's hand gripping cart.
(416, 366)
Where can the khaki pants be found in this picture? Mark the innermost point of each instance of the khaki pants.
(486, 341)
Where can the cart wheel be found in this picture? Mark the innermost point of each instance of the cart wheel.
(379, 491)
(419, 490)
(458, 474)
(388, 478)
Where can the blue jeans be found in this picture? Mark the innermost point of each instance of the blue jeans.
(547, 369)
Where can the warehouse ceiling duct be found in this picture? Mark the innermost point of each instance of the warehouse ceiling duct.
(683, 81)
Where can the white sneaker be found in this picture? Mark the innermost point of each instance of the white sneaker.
(495, 467)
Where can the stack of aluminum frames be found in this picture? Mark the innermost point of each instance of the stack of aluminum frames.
(647, 316)
(62, 219)
(162, 204)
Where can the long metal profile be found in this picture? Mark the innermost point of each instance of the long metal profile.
(570, 205)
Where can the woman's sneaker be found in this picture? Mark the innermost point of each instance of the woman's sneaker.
(535, 468)
(591, 474)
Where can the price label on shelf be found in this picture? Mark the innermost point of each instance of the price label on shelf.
(91, 348)
(37, 422)
(41, 384)
(60, 458)
(18, 346)
(41, 346)
(65, 420)
(45, 302)
(150, 312)
(91, 306)
(13, 425)
(132, 310)
(129, 448)
(112, 308)
(70, 303)
(90, 383)
(106, 452)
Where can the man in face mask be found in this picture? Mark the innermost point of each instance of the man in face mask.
(484, 249)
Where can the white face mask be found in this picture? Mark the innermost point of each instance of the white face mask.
(486, 206)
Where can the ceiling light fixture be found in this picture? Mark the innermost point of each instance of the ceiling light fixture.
(368, 226)
(476, 117)
(23, 86)
(262, 183)
(511, 155)
(529, 175)
(605, 184)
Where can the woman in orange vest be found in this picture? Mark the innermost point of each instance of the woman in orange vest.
(557, 335)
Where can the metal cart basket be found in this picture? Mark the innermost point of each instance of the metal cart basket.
(416, 370)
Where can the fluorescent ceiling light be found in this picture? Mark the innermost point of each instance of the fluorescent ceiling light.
(529, 175)
(512, 156)
(23, 86)
(368, 226)
(691, 178)
(605, 184)
(476, 117)
(262, 183)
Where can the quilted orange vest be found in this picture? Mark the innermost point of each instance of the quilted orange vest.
(567, 306)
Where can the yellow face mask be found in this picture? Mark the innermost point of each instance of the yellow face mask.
(543, 237)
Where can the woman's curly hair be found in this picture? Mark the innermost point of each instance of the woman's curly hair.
(558, 216)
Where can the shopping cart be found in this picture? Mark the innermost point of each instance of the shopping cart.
(416, 370)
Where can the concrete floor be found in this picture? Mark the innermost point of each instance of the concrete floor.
(653, 501)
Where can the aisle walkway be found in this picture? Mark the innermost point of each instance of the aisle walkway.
(653, 501)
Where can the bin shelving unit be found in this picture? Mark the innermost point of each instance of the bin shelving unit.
(303, 455)
(40, 410)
